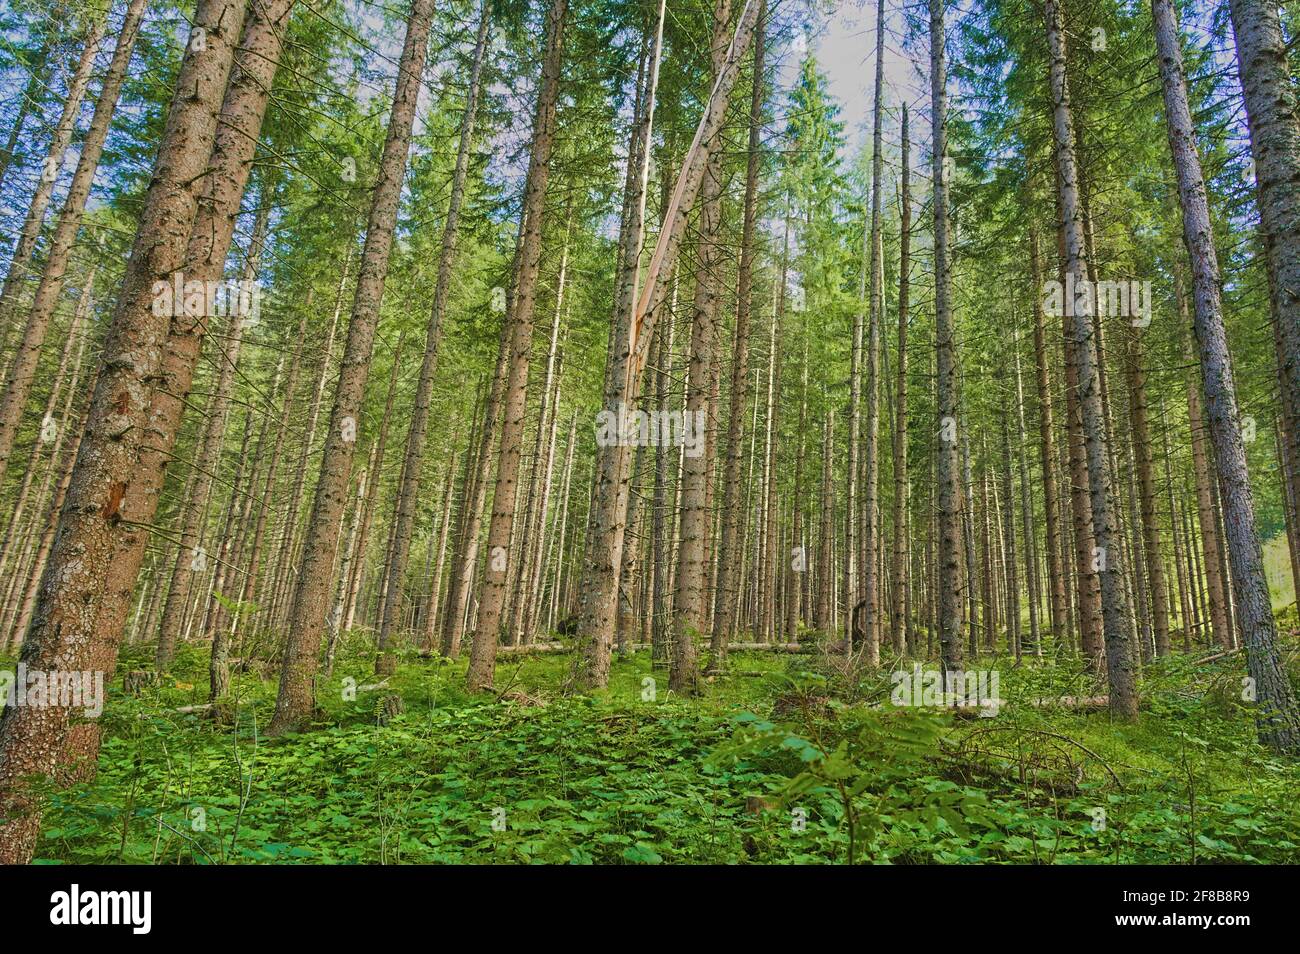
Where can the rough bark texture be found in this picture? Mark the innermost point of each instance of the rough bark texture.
(949, 578)
(1273, 117)
(1278, 715)
(519, 319)
(63, 633)
(311, 599)
(1107, 554)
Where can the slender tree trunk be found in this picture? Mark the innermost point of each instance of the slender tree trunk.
(38, 76)
(22, 372)
(21, 260)
(949, 557)
(1107, 553)
(1137, 395)
(409, 489)
(311, 599)
(729, 549)
(1278, 715)
(902, 535)
(519, 319)
(190, 557)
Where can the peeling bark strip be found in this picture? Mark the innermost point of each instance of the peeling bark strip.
(519, 341)
(311, 603)
(1278, 714)
(664, 256)
(63, 629)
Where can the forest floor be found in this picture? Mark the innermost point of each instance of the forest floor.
(786, 759)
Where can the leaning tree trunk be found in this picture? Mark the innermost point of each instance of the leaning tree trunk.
(1273, 117)
(519, 319)
(310, 605)
(1278, 714)
(34, 220)
(189, 557)
(409, 489)
(64, 633)
(1107, 553)
(22, 371)
(38, 76)
(692, 569)
(602, 563)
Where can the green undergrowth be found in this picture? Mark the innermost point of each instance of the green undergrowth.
(784, 759)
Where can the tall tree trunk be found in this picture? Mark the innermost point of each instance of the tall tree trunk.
(60, 140)
(190, 558)
(1273, 117)
(22, 371)
(729, 548)
(311, 600)
(605, 539)
(1137, 396)
(704, 179)
(1107, 553)
(38, 76)
(519, 319)
(65, 631)
(1047, 457)
(871, 467)
(1278, 715)
(902, 533)
(949, 557)
(409, 489)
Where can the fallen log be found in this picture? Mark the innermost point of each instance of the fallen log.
(533, 649)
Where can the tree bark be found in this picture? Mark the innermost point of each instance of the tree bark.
(311, 599)
(1278, 716)
(519, 319)
(65, 630)
(949, 556)
(1107, 553)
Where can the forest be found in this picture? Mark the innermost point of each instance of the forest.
(634, 432)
